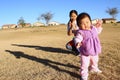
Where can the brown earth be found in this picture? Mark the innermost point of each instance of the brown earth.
(39, 54)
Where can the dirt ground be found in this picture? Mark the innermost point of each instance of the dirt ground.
(40, 54)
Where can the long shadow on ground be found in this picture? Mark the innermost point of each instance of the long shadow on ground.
(53, 64)
(48, 49)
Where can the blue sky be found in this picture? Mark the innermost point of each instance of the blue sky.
(12, 10)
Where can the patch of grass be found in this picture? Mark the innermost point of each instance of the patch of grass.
(39, 53)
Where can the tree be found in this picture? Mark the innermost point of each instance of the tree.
(47, 17)
(21, 22)
(112, 12)
(38, 19)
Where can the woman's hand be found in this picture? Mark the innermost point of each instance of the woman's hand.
(72, 27)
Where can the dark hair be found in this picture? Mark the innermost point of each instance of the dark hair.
(73, 11)
(81, 16)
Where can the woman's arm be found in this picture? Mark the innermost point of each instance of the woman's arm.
(71, 28)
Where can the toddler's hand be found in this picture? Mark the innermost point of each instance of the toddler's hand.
(78, 45)
(98, 23)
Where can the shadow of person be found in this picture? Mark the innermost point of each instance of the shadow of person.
(48, 49)
(46, 62)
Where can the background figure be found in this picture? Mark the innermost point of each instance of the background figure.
(71, 30)
(88, 43)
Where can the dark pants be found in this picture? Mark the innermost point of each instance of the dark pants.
(71, 46)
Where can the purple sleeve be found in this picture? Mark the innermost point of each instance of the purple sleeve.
(78, 38)
(98, 29)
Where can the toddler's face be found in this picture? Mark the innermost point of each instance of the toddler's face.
(73, 16)
(85, 24)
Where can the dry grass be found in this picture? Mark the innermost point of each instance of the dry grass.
(40, 54)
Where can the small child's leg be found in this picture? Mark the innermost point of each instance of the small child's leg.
(94, 64)
(85, 60)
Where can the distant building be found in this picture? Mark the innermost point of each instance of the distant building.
(26, 25)
(118, 21)
(53, 23)
(8, 26)
(38, 24)
(109, 20)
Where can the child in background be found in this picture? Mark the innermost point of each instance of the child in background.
(87, 41)
(72, 25)
(71, 30)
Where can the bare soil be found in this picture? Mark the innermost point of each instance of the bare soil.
(39, 54)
